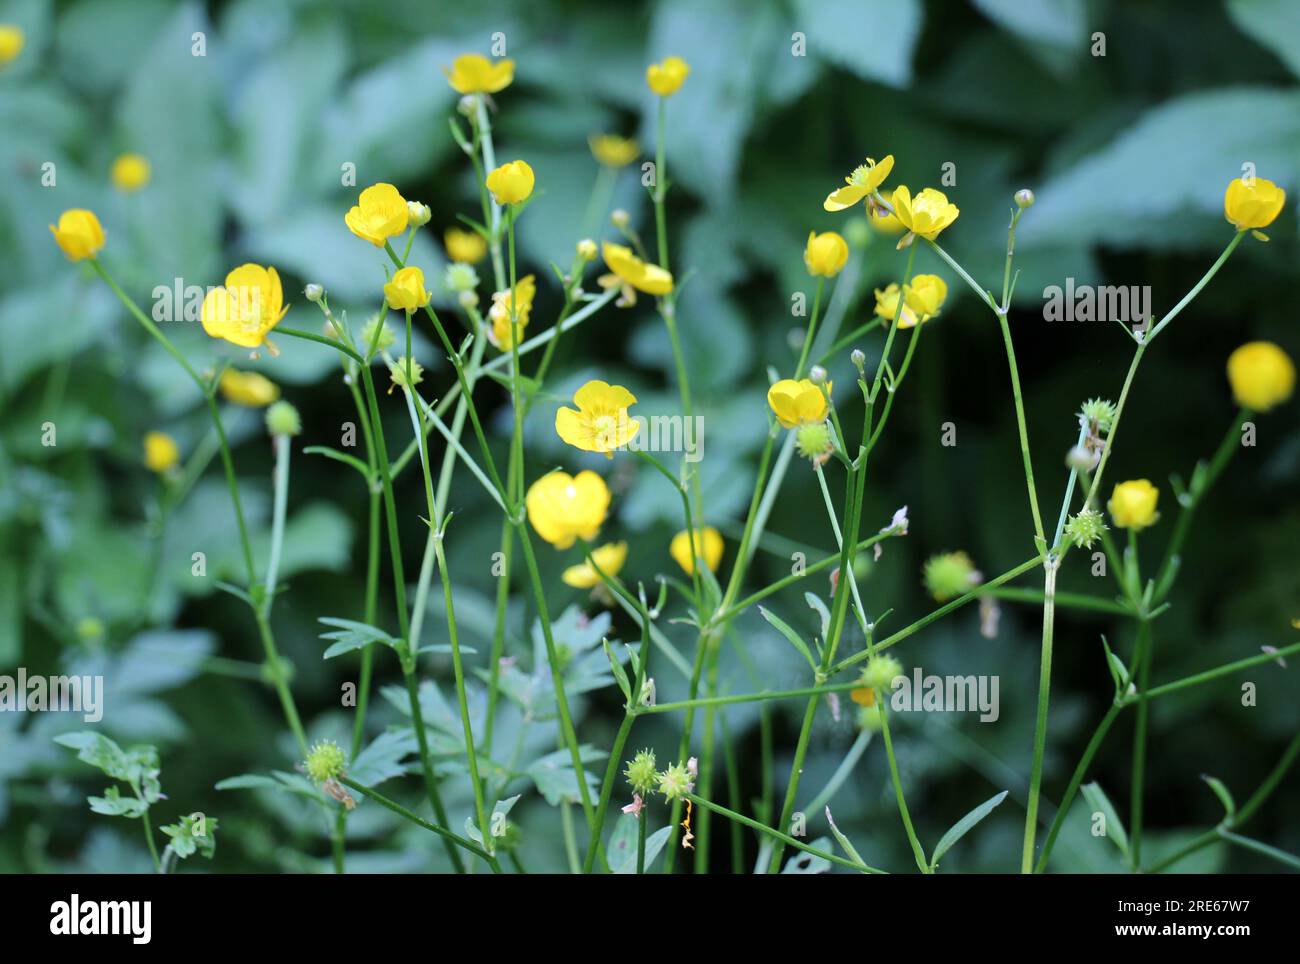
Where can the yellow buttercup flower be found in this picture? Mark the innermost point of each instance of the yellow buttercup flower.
(631, 270)
(475, 74)
(798, 403)
(465, 247)
(1252, 203)
(882, 219)
(708, 546)
(379, 214)
(1261, 374)
(161, 453)
(864, 181)
(130, 172)
(921, 301)
(926, 214)
(12, 41)
(78, 234)
(244, 311)
(511, 183)
(609, 557)
(612, 150)
(1132, 504)
(564, 508)
(665, 77)
(499, 314)
(601, 423)
(250, 389)
(825, 254)
(405, 292)
(887, 305)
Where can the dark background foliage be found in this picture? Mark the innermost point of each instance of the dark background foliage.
(1128, 154)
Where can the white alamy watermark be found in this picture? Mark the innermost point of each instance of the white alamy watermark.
(657, 433)
(1129, 304)
(133, 918)
(53, 694)
(946, 694)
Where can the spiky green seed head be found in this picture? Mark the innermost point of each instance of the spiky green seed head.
(675, 782)
(325, 761)
(1101, 411)
(1085, 528)
(641, 773)
(949, 574)
(880, 672)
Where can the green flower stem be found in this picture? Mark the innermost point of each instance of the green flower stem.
(436, 535)
(1001, 312)
(917, 850)
(733, 698)
(148, 837)
(890, 392)
(640, 843)
(452, 839)
(568, 734)
(1244, 814)
(595, 845)
(1187, 509)
(938, 613)
(1065, 600)
(1080, 771)
(784, 839)
(280, 475)
(695, 545)
(1145, 647)
(484, 130)
(849, 339)
(1040, 724)
(323, 340)
(1099, 734)
(274, 662)
(842, 772)
(1069, 496)
(812, 330)
(399, 590)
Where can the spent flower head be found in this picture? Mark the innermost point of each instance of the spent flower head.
(1099, 412)
(675, 782)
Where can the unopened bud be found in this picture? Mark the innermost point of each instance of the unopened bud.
(817, 374)
(313, 293)
(417, 214)
(619, 218)
(1024, 198)
(859, 359)
(587, 249)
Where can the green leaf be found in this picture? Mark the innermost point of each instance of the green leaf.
(887, 57)
(382, 759)
(819, 606)
(1118, 671)
(1224, 794)
(963, 827)
(1274, 24)
(351, 635)
(789, 634)
(802, 862)
(620, 674)
(190, 835)
(1100, 803)
(113, 804)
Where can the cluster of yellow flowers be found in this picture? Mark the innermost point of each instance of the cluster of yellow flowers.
(563, 508)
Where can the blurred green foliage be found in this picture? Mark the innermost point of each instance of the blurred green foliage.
(1128, 154)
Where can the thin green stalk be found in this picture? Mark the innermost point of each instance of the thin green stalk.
(1145, 646)
(447, 836)
(1040, 722)
(917, 850)
(1080, 771)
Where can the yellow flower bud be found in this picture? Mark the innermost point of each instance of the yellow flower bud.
(12, 40)
(511, 183)
(503, 303)
(564, 508)
(379, 214)
(79, 234)
(798, 403)
(612, 150)
(465, 247)
(665, 77)
(1132, 504)
(825, 254)
(475, 74)
(926, 214)
(130, 172)
(250, 389)
(708, 545)
(405, 292)
(1261, 374)
(161, 453)
(1252, 203)
(587, 249)
(601, 423)
(244, 311)
(609, 557)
